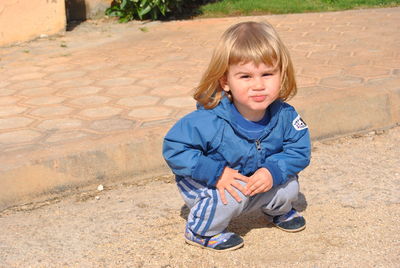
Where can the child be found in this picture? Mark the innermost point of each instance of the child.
(243, 147)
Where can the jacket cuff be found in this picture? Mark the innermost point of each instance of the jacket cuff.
(208, 170)
(276, 173)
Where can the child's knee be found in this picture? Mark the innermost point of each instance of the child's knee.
(283, 198)
(291, 190)
(233, 206)
(288, 192)
(239, 194)
(231, 200)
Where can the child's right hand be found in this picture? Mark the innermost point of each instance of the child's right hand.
(228, 181)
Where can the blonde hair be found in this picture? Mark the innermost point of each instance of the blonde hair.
(241, 43)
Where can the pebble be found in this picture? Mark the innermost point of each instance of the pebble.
(100, 188)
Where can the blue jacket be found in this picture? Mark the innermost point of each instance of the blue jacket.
(203, 142)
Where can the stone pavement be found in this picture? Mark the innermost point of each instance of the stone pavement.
(93, 104)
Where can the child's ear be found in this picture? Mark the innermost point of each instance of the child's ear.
(224, 83)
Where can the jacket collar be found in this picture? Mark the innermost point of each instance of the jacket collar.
(223, 110)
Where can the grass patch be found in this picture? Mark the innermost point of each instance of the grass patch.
(226, 8)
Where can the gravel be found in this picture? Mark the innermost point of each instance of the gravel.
(350, 197)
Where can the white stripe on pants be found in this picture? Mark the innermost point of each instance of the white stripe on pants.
(209, 216)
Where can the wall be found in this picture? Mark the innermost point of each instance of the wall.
(23, 20)
(86, 9)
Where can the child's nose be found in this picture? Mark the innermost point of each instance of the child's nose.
(258, 84)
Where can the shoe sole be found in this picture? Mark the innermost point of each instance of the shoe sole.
(290, 230)
(217, 250)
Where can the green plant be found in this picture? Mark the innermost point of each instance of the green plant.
(128, 10)
(225, 8)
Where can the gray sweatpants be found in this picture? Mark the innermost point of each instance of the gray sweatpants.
(209, 216)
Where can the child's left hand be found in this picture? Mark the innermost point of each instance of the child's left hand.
(260, 182)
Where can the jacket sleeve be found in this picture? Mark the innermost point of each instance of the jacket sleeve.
(186, 145)
(296, 152)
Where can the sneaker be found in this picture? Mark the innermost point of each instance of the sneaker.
(224, 241)
(291, 221)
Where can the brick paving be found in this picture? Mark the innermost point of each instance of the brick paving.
(107, 84)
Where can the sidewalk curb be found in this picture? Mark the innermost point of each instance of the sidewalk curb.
(102, 161)
(345, 112)
(134, 155)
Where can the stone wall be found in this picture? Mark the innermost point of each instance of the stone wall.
(23, 20)
(86, 9)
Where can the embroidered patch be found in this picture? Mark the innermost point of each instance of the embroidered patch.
(299, 124)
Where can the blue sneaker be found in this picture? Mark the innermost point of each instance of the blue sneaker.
(291, 221)
(224, 241)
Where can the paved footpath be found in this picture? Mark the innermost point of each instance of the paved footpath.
(92, 105)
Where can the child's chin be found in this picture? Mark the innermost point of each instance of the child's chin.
(259, 106)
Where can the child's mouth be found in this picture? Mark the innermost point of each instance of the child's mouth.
(259, 98)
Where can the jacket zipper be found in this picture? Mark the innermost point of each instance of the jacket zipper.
(258, 145)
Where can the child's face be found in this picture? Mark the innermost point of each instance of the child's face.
(253, 88)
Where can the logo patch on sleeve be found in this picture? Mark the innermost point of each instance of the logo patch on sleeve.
(299, 124)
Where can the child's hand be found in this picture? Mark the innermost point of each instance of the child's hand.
(260, 182)
(228, 181)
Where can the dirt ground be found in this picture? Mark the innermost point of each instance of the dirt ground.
(350, 197)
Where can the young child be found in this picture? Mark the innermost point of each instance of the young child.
(243, 147)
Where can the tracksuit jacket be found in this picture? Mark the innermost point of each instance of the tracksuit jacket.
(203, 142)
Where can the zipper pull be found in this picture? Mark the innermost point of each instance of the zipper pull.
(258, 145)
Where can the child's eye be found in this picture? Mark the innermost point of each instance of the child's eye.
(245, 76)
(267, 74)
